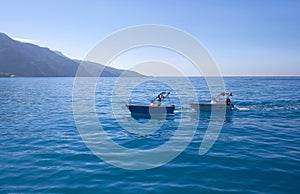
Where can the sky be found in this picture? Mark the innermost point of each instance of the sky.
(244, 37)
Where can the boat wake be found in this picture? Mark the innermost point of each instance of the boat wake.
(242, 108)
(184, 110)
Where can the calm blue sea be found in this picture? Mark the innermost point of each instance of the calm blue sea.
(257, 150)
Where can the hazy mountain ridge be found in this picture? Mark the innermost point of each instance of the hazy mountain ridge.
(29, 60)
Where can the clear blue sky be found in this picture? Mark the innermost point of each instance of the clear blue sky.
(257, 37)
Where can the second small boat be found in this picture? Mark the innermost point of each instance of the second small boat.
(223, 101)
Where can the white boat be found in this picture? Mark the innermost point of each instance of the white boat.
(220, 103)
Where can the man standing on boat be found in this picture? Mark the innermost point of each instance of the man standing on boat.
(158, 100)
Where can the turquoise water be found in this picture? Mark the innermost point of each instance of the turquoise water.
(257, 150)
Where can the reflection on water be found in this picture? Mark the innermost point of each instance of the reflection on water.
(144, 117)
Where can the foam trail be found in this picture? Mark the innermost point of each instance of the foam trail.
(242, 108)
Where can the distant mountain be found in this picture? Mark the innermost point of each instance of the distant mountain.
(106, 71)
(29, 60)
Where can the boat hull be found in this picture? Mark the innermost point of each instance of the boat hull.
(205, 106)
(144, 109)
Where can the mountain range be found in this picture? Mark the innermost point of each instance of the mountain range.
(28, 60)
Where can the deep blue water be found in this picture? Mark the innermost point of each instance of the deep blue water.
(257, 151)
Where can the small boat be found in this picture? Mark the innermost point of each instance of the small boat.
(146, 109)
(223, 101)
(155, 107)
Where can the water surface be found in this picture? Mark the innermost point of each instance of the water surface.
(257, 150)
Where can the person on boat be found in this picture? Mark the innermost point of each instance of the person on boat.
(160, 98)
(228, 101)
(158, 101)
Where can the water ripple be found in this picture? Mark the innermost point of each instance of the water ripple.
(257, 151)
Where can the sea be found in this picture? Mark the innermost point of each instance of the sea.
(56, 137)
